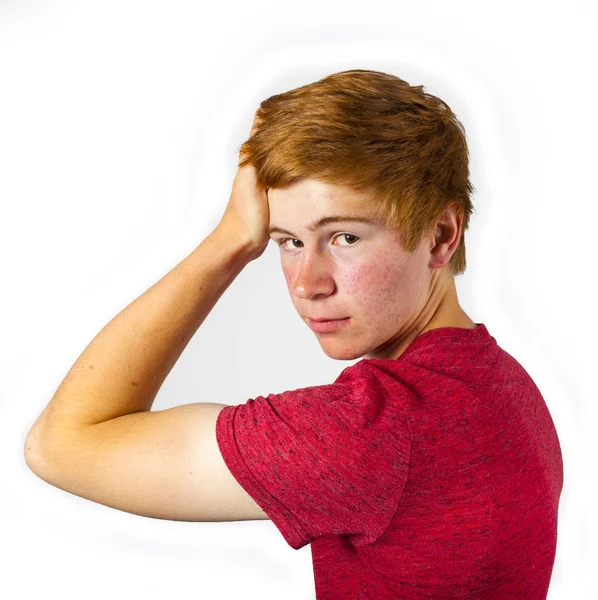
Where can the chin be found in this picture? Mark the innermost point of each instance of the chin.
(342, 353)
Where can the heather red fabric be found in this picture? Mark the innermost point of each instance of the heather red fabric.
(436, 475)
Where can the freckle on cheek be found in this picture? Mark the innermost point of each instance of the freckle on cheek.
(350, 284)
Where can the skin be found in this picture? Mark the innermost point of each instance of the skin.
(391, 296)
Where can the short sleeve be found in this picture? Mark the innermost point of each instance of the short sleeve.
(322, 460)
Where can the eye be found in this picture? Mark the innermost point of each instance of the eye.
(349, 235)
(346, 235)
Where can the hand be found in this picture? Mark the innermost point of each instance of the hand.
(247, 215)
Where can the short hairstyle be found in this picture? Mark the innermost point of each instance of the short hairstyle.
(403, 148)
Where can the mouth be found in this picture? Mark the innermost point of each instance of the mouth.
(326, 325)
(325, 319)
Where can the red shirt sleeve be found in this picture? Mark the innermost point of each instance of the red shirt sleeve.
(322, 460)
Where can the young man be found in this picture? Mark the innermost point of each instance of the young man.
(430, 468)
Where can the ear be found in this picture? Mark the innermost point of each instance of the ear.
(447, 236)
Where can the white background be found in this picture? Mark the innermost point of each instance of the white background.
(120, 125)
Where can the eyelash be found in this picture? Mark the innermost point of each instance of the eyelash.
(281, 242)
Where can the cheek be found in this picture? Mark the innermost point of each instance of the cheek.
(288, 276)
(370, 284)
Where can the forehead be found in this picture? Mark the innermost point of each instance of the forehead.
(308, 201)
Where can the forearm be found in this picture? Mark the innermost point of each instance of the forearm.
(124, 366)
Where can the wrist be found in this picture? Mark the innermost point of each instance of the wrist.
(238, 245)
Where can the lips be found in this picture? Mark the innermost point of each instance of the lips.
(327, 319)
(328, 325)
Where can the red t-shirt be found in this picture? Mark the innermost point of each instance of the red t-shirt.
(435, 475)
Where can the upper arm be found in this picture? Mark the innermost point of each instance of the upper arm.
(164, 464)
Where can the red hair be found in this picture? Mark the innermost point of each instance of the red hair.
(374, 133)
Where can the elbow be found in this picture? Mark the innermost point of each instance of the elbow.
(31, 450)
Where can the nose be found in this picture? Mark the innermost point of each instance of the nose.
(313, 277)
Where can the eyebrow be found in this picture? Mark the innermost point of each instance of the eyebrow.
(314, 225)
